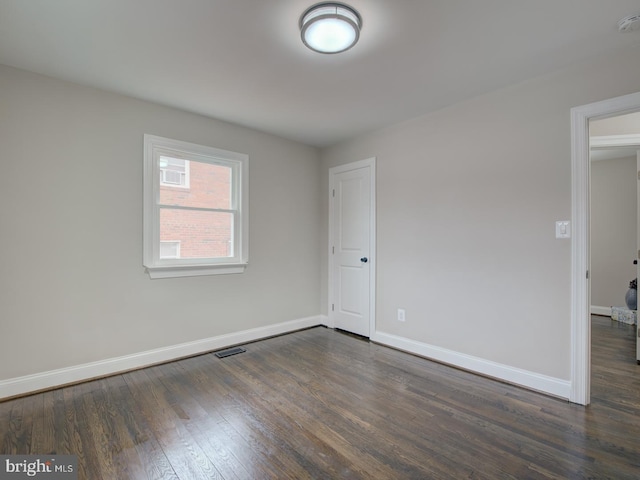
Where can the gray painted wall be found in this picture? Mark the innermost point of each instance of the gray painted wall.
(72, 286)
(613, 230)
(467, 202)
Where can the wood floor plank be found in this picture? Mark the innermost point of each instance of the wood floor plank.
(136, 435)
(336, 424)
(216, 397)
(400, 416)
(321, 404)
(18, 416)
(121, 436)
(94, 433)
(43, 431)
(204, 429)
(296, 437)
(262, 428)
(79, 437)
(184, 454)
(406, 412)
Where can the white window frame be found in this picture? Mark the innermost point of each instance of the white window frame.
(154, 147)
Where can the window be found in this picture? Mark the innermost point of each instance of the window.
(195, 209)
(174, 172)
(169, 249)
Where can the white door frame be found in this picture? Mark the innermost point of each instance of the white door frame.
(371, 163)
(580, 293)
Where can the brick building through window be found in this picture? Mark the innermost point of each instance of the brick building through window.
(195, 233)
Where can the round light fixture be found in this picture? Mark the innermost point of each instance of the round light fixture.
(629, 23)
(330, 27)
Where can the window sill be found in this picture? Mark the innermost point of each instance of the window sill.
(195, 270)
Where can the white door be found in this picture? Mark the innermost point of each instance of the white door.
(351, 249)
(638, 252)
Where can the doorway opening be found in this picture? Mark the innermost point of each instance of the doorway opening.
(580, 243)
(614, 145)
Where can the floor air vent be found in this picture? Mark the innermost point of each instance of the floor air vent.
(229, 352)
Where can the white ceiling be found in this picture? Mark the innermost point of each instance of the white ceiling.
(243, 61)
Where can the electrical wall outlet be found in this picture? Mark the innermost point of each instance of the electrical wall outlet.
(401, 314)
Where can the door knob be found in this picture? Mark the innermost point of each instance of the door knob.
(364, 259)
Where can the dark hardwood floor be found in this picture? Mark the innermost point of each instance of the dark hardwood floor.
(321, 404)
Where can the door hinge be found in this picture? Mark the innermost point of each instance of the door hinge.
(587, 274)
(332, 307)
(638, 175)
(333, 193)
(333, 250)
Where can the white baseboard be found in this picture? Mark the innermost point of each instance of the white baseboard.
(63, 376)
(595, 310)
(534, 381)
(324, 320)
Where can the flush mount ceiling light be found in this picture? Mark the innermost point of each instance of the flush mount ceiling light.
(330, 27)
(629, 23)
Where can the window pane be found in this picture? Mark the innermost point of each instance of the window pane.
(201, 234)
(209, 185)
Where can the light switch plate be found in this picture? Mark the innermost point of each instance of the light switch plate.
(563, 229)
